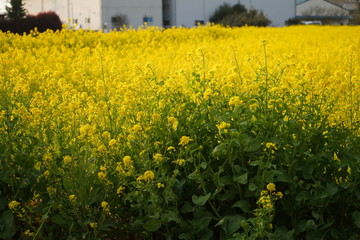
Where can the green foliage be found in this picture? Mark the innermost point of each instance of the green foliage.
(292, 21)
(225, 10)
(237, 16)
(16, 9)
(7, 226)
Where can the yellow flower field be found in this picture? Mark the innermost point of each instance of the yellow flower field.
(136, 133)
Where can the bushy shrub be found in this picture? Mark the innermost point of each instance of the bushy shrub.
(41, 21)
(237, 16)
(292, 21)
(226, 10)
(250, 18)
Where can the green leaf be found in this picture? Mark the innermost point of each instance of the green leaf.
(96, 195)
(331, 189)
(353, 236)
(227, 195)
(25, 182)
(201, 223)
(219, 150)
(62, 219)
(255, 163)
(171, 216)
(225, 180)
(356, 217)
(310, 224)
(206, 234)
(253, 145)
(245, 226)
(185, 236)
(242, 179)
(200, 200)
(152, 225)
(307, 171)
(187, 207)
(237, 168)
(252, 187)
(243, 205)
(203, 165)
(7, 225)
(232, 223)
(290, 234)
(216, 179)
(3, 204)
(193, 175)
(277, 176)
(303, 195)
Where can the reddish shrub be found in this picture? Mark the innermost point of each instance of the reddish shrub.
(42, 21)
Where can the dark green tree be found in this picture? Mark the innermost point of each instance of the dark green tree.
(225, 10)
(237, 16)
(16, 9)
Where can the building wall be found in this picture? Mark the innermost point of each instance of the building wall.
(278, 11)
(99, 14)
(78, 13)
(2, 7)
(351, 6)
(188, 12)
(319, 8)
(85, 13)
(134, 10)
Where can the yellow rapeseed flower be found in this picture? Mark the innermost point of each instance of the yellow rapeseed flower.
(106, 135)
(184, 140)
(120, 190)
(158, 157)
(171, 149)
(180, 162)
(29, 233)
(13, 204)
(101, 175)
(105, 206)
(93, 224)
(235, 101)
(102, 149)
(336, 158)
(147, 176)
(67, 160)
(279, 194)
(156, 117)
(72, 198)
(270, 187)
(160, 185)
(173, 122)
(128, 163)
(137, 128)
(113, 143)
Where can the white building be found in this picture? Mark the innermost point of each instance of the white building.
(101, 14)
(2, 8)
(109, 14)
(322, 10)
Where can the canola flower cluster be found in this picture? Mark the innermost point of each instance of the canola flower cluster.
(269, 196)
(92, 114)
